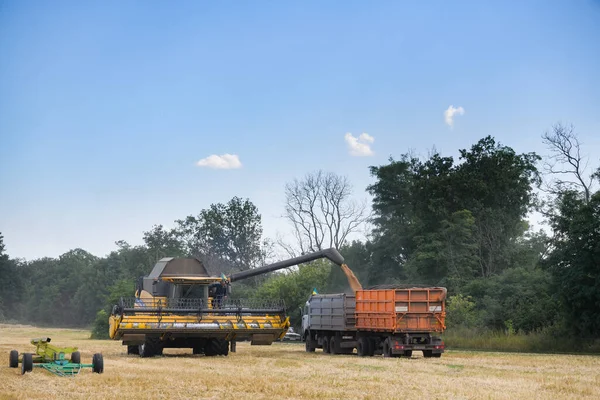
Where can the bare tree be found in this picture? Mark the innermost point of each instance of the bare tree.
(322, 212)
(566, 159)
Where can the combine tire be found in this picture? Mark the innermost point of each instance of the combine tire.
(97, 363)
(27, 364)
(151, 347)
(216, 347)
(133, 349)
(13, 360)
(76, 357)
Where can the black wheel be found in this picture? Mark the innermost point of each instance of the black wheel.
(326, 348)
(437, 355)
(216, 347)
(362, 348)
(387, 348)
(333, 346)
(197, 350)
(309, 344)
(224, 347)
(76, 357)
(371, 342)
(133, 349)
(97, 363)
(27, 363)
(150, 348)
(13, 359)
(427, 353)
(408, 353)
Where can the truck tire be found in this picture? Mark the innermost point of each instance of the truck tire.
(309, 343)
(387, 348)
(334, 347)
(427, 353)
(13, 360)
(362, 348)
(326, 348)
(407, 353)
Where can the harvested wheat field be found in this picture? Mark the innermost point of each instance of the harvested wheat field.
(285, 371)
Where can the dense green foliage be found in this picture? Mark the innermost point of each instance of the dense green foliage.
(460, 223)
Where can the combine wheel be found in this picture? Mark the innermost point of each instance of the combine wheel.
(216, 347)
(76, 357)
(150, 348)
(27, 364)
(133, 349)
(224, 347)
(97, 363)
(13, 360)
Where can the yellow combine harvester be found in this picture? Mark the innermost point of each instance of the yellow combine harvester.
(179, 305)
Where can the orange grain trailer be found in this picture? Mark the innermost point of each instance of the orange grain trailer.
(394, 322)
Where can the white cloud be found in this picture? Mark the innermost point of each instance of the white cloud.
(451, 112)
(359, 146)
(224, 161)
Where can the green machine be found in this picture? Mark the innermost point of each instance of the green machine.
(54, 359)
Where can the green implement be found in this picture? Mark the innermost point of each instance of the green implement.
(54, 359)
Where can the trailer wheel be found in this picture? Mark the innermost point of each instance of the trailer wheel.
(371, 342)
(97, 363)
(27, 363)
(333, 345)
(76, 357)
(13, 359)
(362, 348)
(387, 348)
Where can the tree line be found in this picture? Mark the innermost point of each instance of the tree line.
(434, 220)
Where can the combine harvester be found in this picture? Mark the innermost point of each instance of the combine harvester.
(54, 359)
(179, 305)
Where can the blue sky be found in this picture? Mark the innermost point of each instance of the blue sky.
(106, 107)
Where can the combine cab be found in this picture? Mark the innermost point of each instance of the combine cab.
(179, 305)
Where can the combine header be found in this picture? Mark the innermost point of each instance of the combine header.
(54, 359)
(179, 305)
